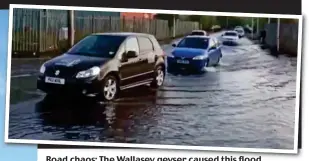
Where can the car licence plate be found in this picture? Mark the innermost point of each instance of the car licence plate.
(54, 80)
(183, 61)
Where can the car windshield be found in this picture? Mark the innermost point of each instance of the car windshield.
(239, 31)
(104, 46)
(198, 43)
(230, 34)
(197, 33)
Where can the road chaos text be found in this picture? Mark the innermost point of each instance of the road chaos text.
(134, 158)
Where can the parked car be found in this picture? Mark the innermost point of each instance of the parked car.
(230, 37)
(239, 27)
(248, 29)
(104, 64)
(216, 28)
(199, 32)
(194, 53)
(240, 32)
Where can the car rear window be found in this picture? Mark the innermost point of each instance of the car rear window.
(197, 33)
(145, 44)
(198, 43)
(230, 34)
(98, 45)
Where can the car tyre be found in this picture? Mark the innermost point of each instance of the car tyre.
(207, 63)
(159, 77)
(110, 88)
(217, 63)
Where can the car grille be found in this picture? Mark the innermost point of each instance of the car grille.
(183, 58)
(64, 72)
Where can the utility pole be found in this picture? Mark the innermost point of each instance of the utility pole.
(227, 22)
(278, 34)
(257, 25)
(268, 20)
(71, 31)
(252, 26)
(174, 26)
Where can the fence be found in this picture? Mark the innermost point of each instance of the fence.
(288, 37)
(38, 31)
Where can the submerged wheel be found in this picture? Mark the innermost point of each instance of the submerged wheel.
(110, 88)
(207, 63)
(158, 77)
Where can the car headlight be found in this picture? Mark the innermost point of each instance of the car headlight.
(200, 57)
(94, 71)
(42, 69)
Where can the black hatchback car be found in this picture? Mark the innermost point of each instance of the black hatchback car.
(103, 64)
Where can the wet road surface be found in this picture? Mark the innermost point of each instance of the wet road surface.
(247, 101)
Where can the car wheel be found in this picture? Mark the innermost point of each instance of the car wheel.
(110, 88)
(218, 61)
(158, 77)
(207, 63)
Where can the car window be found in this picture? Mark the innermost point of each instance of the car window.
(98, 46)
(212, 43)
(121, 50)
(132, 45)
(198, 43)
(197, 33)
(145, 44)
(239, 30)
(230, 34)
(216, 42)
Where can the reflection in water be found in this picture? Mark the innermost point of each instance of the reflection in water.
(87, 119)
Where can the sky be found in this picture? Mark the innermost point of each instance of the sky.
(8, 152)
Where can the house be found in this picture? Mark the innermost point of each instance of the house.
(131, 15)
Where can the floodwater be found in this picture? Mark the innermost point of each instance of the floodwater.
(247, 101)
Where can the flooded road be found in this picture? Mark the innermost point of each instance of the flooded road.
(247, 101)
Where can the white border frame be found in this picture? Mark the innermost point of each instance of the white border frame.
(155, 146)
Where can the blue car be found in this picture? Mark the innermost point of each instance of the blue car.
(194, 53)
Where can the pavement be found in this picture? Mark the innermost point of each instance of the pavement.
(247, 101)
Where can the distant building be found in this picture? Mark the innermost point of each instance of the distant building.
(137, 15)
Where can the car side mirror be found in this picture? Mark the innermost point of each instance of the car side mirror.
(173, 45)
(212, 48)
(131, 54)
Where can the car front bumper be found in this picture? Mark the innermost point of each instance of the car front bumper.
(72, 86)
(195, 65)
(229, 41)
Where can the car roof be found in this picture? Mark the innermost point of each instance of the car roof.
(197, 36)
(126, 34)
(198, 31)
(231, 31)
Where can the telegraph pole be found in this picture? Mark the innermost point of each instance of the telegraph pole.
(71, 31)
(257, 25)
(252, 26)
(278, 34)
(174, 26)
